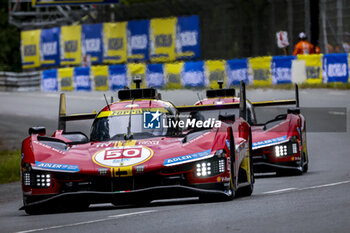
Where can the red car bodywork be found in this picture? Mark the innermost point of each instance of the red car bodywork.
(286, 130)
(58, 169)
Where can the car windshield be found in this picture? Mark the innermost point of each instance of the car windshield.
(116, 127)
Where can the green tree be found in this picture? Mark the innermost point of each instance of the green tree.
(10, 58)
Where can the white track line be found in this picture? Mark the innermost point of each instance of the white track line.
(87, 222)
(326, 185)
(306, 188)
(279, 191)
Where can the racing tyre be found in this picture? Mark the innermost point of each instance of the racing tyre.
(306, 165)
(35, 210)
(231, 193)
(248, 190)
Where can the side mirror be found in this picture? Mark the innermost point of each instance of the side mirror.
(41, 130)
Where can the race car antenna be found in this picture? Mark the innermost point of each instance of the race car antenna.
(200, 101)
(128, 134)
(107, 102)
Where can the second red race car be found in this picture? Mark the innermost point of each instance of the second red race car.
(139, 150)
(279, 145)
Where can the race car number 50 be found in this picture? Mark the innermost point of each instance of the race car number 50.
(122, 157)
(120, 153)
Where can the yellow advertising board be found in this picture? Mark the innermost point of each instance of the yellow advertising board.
(30, 47)
(70, 40)
(313, 63)
(162, 34)
(216, 72)
(137, 70)
(173, 75)
(114, 42)
(261, 70)
(65, 79)
(100, 78)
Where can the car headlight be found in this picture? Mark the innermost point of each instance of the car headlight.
(203, 169)
(281, 150)
(286, 149)
(213, 166)
(37, 179)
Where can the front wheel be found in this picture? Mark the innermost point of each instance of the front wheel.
(306, 165)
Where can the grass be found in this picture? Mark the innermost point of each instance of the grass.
(10, 166)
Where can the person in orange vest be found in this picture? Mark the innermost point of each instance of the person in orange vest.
(303, 46)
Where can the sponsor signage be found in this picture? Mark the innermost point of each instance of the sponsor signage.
(269, 142)
(56, 166)
(186, 158)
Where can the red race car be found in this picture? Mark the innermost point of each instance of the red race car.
(140, 149)
(279, 145)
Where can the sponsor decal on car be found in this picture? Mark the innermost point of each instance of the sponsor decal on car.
(122, 156)
(56, 166)
(104, 144)
(228, 144)
(196, 138)
(147, 142)
(223, 179)
(49, 147)
(187, 158)
(130, 111)
(269, 142)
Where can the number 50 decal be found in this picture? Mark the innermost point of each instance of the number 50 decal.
(120, 153)
(122, 157)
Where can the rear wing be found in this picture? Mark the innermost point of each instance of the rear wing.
(242, 105)
(63, 117)
(280, 102)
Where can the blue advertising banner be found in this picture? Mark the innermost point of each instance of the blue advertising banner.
(187, 37)
(138, 40)
(91, 39)
(49, 81)
(237, 70)
(155, 75)
(118, 78)
(81, 77)
(50, 47)
(193, 74)
(281, 68)
(335, 68)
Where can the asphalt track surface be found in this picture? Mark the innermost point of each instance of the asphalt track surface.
(318, 201)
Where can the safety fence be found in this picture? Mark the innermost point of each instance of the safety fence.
(313, 69)
(155, 40)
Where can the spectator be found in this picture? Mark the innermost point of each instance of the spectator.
(303, 46)
(346, 42)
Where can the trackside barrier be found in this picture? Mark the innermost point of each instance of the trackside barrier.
(27, 81)
(318, 68)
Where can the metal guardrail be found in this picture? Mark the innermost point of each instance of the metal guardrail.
(26, 81)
